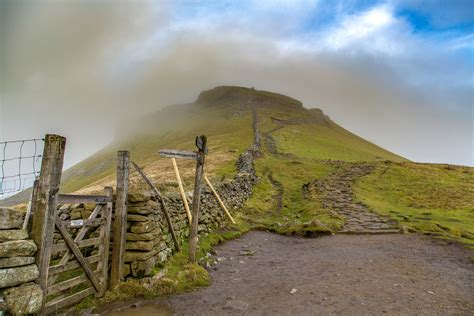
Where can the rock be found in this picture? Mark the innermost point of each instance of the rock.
(75, 214)
(137, 218)
(13, 234)
(143, 227)
(162, 256)
(18, 275)
(11, 218)
(145, 236)
(134, 197)
(140, 245)
(126, 269)
(293, 291)
(16, 262)
(131, 256)
(24, 299)
(143, 208)
(17, 248)
(143, 268)
(236, 305)
(85, 213)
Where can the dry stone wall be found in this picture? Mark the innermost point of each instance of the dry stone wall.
(149, 241)
(18, 271)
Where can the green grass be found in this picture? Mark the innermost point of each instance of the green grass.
(431, 199)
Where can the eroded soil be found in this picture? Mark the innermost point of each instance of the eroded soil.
(342, 274)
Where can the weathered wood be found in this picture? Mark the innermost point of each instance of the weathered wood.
(78, 223)
(78, 254)
(172, 153)
(53, 270)
(56, 248)
(61, 302)
(82, 232)
(76, 198)
(162, 203)
(103, 266)
(181, 190)
(46, 203)
(120, 219)
(61, 286)
(200, 159)
(30, 209)
(218, 198)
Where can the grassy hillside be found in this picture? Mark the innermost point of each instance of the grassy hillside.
(433, 199)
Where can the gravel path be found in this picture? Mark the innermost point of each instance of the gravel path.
(341, 274)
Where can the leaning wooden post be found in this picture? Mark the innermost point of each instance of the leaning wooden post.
(45, 203)
(200, 157)
(120, 218)
(181, 191)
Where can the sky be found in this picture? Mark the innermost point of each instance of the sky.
(399, 73)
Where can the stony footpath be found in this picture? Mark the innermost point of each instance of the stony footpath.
(18, 293)
(336, 194)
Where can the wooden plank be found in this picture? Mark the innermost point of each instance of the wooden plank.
(193, 237)
(103, 265)
(53, 270)
(162, 203)
(120, 219)
(218, 198)
(181, 190)
(77, 253)
(78, 223)
(76, 198)
(62, 302)
(45, 205)
(79, 244)
(172, 153)
(61, 286)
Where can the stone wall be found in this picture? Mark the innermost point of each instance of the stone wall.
(18, 271)
(149, 241)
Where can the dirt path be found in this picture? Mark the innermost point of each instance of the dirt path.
(336, 194)
(342, 274)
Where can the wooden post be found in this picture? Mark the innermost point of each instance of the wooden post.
(219, 199)
(30, 212)
(200, 157)
(105, 243)
(45, 203)
(162, 203)
(120, 219)
(181, 190)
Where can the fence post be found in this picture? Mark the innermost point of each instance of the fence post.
(201, 154)
(120, 218)
(45, 203)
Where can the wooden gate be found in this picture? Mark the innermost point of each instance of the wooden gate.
(81, 253)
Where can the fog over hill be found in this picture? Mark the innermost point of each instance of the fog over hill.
(80, 69)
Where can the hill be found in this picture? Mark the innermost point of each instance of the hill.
(311, 169)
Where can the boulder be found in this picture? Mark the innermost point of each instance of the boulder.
(18, 275)
(17, 248)
(16, 262)
(13, 234)
(143, 268)
(10, 218)
(23, 299)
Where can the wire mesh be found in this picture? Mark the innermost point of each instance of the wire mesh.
(20, 164)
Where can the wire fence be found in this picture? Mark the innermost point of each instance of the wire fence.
(20, 164)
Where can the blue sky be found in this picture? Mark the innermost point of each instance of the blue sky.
(397, 72)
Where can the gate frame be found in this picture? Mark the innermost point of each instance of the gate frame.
(45, 219)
